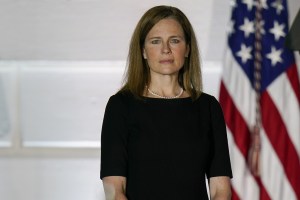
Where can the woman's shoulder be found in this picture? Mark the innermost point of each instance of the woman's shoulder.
(208, 101)
(121, 98)
(205, 97)
(119, 103)
(121, 94)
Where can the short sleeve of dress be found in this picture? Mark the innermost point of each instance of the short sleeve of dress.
(220, 161)
(114, 138)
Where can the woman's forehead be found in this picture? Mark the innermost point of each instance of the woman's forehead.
(166, 26)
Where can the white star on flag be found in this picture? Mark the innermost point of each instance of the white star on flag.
(244, 53)
(233, 3)
(275, 56)
(277, 30)
(278, 6)
(249, 3)
(263, 4)
(247, 27)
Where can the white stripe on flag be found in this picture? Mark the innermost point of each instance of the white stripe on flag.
(288, 106)
(272, 173)
(239, 88)
(243, 182)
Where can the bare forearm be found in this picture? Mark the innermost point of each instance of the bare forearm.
(220, 188)
(112, 194)
(221, 197)
(114, 188)
(119, 196)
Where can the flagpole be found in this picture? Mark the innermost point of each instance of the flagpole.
(254, 151)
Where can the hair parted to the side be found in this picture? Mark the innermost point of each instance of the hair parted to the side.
(137, 74)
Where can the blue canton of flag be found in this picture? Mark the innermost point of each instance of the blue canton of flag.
(273, 27)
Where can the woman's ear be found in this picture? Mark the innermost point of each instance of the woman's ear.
(144, 54)
(187, 51)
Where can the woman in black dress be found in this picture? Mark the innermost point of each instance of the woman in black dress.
(161, 135)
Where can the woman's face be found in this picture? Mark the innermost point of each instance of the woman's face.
(165, 48)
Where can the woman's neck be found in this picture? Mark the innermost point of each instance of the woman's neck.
(167, 87)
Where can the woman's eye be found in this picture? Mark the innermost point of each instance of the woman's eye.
(174, 41)
(155, 41)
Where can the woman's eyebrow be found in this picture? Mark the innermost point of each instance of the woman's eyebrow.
(155, 37)
(158, 37)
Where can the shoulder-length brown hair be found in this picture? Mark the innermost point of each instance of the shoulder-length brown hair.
(137, 74)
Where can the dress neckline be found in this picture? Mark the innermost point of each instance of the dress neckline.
(166, 100)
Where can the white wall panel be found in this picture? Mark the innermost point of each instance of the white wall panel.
(62, 103)
(49, 178)
(8, 103)
(211, 74)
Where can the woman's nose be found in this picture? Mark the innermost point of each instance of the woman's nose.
(166, 48)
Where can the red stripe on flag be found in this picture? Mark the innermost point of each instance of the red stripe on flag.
(263, 194)
(281, 142)
(235, 121)
(234, 195)
(240, 132)
(292, 73)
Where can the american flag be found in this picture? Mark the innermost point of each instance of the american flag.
(260, 88)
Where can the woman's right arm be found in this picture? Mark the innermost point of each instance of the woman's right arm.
(114, 187)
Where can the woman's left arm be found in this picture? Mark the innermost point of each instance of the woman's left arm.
(219, 188)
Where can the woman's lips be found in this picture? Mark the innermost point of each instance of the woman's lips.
(167, 61)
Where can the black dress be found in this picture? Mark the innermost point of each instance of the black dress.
(164, 147)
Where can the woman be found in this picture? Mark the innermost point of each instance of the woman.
(161, 134)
